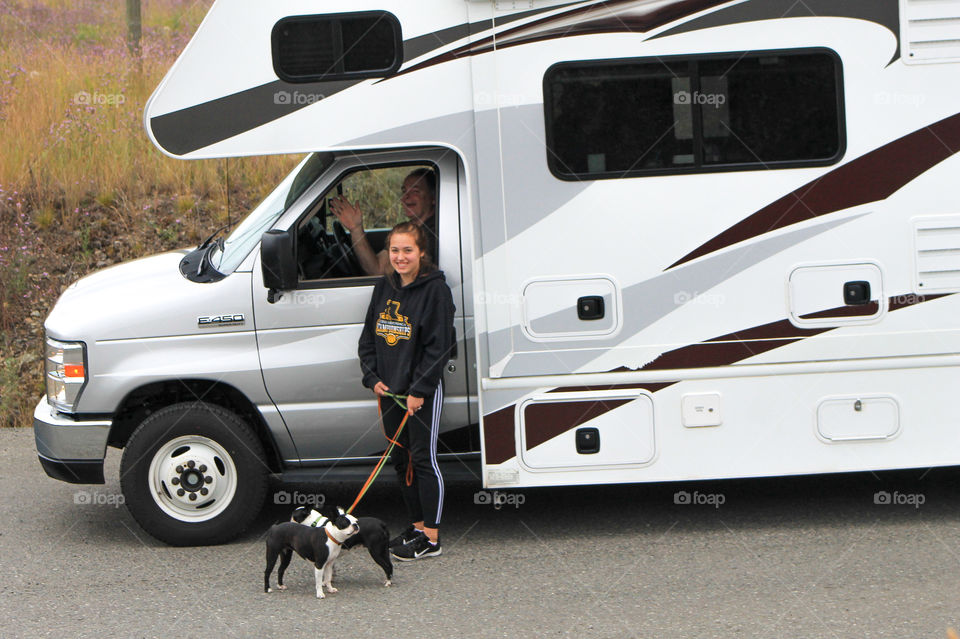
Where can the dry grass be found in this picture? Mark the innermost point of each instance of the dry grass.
(81, 186)
(71, 107)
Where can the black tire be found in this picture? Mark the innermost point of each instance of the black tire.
(234, 474)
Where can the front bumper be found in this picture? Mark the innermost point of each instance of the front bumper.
(70, 449)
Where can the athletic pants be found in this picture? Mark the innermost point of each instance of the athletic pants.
(424, 497)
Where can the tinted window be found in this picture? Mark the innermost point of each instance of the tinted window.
(681, 115)
(340, 46)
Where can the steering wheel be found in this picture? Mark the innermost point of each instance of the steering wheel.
(313, 252)
(345, 247)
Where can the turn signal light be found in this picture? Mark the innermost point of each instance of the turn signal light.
(73, 370)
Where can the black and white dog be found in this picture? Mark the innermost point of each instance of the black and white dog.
(373, 534)
(320, 546)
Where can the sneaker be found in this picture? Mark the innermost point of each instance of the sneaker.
(405, 537)
(419, 548)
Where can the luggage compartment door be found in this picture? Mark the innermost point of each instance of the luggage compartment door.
(586, 429)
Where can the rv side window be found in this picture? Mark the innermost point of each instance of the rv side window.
(337, 46)
(747, 111)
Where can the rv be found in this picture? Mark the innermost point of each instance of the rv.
(687, 239)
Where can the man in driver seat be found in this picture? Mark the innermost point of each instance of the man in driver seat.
(418, 197)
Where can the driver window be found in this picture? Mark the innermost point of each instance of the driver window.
(326, 248)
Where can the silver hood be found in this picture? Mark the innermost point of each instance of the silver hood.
(146, 298)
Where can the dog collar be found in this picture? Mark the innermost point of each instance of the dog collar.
(330, 537)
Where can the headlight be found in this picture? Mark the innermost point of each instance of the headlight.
(64, 364)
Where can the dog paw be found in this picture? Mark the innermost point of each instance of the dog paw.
(320, 595)
(332, 589)
(269, 590)
(281, 587)
(387, 583)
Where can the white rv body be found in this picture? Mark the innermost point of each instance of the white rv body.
(540, 243)
(724, 300)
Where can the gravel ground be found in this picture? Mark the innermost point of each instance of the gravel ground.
(799, 557)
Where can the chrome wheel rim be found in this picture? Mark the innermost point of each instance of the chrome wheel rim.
(192, 478)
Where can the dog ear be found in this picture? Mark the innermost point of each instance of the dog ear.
(340, 510)
(327, 511)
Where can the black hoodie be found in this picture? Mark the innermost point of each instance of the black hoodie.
(408, 334)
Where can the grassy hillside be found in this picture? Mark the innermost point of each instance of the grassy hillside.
(81, 186)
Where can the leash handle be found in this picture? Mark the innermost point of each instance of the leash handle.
(397, 399)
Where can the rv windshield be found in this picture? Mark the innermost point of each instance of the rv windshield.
(228, 256)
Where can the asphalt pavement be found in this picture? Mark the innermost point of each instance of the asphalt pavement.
(857, 555)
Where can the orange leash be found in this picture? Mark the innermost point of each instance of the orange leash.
(396, 398)
(383, 458)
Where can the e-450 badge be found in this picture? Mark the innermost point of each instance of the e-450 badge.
(392, 326)
(229, 319)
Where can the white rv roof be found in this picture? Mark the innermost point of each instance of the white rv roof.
(223, 97)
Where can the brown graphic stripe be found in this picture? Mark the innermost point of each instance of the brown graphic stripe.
(631, 16)
(897, 302)
(884, 13)
(709, 354)
(651, 388)
(545, 421)
(870, 178)
(853, 310)
(602, 17)
(500, 437)
(774, 330)
(605, 17)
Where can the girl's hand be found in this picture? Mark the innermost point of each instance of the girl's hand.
(413, 404)
(380, 388)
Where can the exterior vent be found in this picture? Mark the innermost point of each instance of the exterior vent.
(930, 30)
(937, 242)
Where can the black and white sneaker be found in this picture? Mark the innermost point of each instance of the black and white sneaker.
(405, 537)
(419, 548)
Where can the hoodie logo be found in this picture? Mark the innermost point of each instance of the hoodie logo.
(392, 326)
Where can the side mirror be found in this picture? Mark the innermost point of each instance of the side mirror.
(278, 262)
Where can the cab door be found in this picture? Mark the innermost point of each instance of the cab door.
(308, 338)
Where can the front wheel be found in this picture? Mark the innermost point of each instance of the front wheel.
(193, 474)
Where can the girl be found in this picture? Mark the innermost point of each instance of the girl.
(407, 338)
